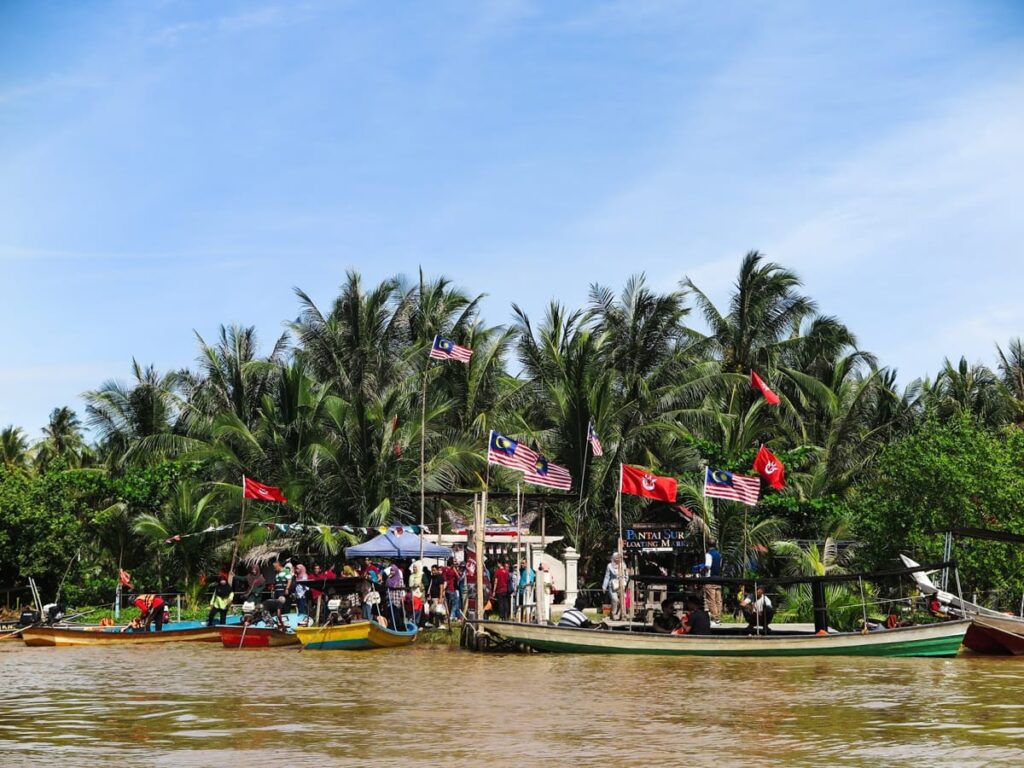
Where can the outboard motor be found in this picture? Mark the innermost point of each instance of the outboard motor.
(334, 610)
(28, 618)
(53, 613)
(249, 612)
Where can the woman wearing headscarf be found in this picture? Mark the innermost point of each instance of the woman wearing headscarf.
(299, 589)
(610, 585)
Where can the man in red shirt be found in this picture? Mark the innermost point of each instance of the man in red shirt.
(151, 610)
(451, 590)
(503, 590)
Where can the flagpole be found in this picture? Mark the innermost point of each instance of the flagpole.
(478, 535)
(423, 458)
(622, 559)
(519, 543)
(241, 527)
(583, 480)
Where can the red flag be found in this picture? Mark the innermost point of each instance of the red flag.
(253, 490)
(640, 482)
(770, 468)
(756, 383)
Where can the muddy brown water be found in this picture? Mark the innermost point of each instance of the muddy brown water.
(199, 705)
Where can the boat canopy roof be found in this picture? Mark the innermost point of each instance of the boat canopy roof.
(785, 580)
(986, 533)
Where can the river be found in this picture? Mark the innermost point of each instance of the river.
(200, 706)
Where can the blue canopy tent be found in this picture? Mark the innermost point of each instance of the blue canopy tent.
(397, 542)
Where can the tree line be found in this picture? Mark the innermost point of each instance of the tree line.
(331, 412)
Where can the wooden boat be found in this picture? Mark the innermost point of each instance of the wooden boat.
(939, 639)
(80, 636)
(359, 635)
(991, 632)
(236, 636)
(1003, 636)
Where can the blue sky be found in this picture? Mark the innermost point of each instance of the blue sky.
(169, 166)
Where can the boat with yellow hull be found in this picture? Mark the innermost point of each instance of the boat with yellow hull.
(359, 635)
(67, 637)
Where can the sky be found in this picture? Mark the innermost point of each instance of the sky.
(168, 167)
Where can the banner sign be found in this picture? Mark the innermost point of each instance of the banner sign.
(641, 536)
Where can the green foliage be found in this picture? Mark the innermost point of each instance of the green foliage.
(948, 474)
(336, 412)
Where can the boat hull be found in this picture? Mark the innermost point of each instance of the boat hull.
(1003, 636)
(63, 637)
(256, 637)
(941, 639)
(359, 635)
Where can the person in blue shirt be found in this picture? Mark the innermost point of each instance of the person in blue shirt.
(525, 588)
(713, 592)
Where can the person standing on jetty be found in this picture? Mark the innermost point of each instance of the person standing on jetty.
(611, 585)
(503, 591)
(713, 592)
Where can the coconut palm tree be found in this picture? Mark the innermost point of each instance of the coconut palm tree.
(765, 314)
(231, 377)
(124, 415)
(1011, 369)
(14, 448)
(62, 440)
(972, 389)
(186, 513)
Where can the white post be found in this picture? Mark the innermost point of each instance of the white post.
(117, 599)
(177, 604)
(572, 559)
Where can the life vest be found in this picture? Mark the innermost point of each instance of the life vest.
(149, 602)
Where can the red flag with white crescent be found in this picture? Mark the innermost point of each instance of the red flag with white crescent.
(639, 482)
(253, 490)
(768, 466)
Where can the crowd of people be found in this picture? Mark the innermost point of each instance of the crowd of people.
(394, 591)
(398, 592)
(703, 605)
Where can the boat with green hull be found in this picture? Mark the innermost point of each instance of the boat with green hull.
(939, 639)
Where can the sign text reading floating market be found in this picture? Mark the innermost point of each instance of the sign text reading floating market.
(642, 536)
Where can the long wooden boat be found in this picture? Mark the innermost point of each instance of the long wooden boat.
(939, 639)
(236, 636)
(62, 637)
(359, 635)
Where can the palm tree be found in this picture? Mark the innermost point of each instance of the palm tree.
(765, 314)
(62, 440)
(14, 454)
(232, 377)
(186, 513)
(971, 389)
(1011, 368)
(125, 415)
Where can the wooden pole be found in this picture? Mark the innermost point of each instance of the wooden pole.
(519, 547)
(478, 539)
(622, 559)
(241, 527)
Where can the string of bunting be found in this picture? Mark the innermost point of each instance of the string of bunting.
(296, 528)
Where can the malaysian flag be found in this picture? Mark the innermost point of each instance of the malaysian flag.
(509, 453)
(720, 484)
(549, 475)
(446, 349)
(592, 438)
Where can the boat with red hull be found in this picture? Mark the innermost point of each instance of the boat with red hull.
(256, 637)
